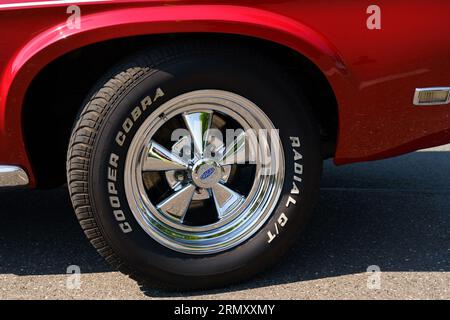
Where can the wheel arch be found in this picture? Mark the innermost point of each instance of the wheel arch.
(56, 44)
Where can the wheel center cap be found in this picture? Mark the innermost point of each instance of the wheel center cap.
(206, 173)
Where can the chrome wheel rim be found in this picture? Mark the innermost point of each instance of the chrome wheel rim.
(210, 177)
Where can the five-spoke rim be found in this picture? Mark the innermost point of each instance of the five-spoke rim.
(209, 173)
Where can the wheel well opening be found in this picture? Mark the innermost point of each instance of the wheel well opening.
(56, 94)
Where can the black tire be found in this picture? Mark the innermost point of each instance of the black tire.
(177, 69)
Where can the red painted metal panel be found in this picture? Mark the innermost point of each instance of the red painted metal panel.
(372, 72)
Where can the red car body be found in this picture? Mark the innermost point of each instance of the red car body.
(373, 73)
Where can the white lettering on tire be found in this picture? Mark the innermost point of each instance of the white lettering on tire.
(135, 115)
(113, 163)
(112, 191)
(295, 191)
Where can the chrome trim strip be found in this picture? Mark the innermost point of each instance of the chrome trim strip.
(12, 176)
(28, 5)
(418, 91)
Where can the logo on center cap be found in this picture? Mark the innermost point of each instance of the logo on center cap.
(208, 173)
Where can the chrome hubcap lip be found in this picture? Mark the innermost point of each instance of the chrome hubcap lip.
(241, 216)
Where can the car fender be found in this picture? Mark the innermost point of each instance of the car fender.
(56, 40)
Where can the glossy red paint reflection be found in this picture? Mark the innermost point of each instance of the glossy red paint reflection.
(373, 72)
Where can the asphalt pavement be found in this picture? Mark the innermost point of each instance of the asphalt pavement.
(392, 214)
